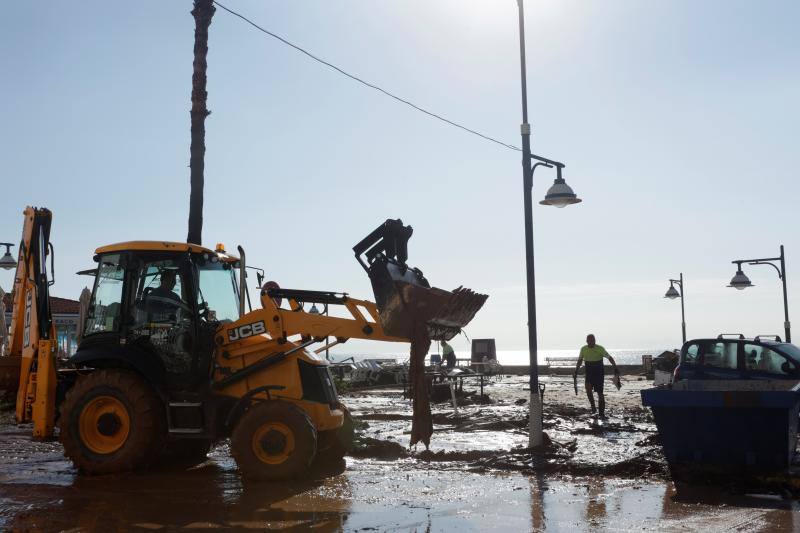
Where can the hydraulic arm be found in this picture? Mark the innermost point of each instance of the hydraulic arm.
(363, 322)
(33, 338)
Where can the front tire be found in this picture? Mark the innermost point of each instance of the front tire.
(111, 421)
(274, 440)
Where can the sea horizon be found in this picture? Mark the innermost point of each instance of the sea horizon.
(625, 356)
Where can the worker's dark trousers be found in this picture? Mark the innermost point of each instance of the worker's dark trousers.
(602, 399)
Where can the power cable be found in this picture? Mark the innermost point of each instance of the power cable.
(366, 83)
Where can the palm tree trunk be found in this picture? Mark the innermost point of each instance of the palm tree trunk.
(202, 12)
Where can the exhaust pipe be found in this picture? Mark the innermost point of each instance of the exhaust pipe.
(242, 280)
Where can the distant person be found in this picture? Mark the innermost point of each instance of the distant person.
(593, 355)
(449, 355)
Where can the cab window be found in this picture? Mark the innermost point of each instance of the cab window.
(217, 298)
(104, 311)
(762, 359)
(159, 293)
(163, 321)
(691, 353)
(719, 355)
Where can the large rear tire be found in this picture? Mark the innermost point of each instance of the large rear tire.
(112, 421)
(274, 440)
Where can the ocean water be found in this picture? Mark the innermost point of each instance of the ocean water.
(626, 356)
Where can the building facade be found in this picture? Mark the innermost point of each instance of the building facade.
(66, 314)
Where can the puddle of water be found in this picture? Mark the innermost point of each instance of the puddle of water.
(375, 495)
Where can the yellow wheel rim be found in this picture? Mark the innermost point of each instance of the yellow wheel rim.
(273, 443)
(104, 425)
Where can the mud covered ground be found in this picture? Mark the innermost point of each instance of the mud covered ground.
(475, 477)
(488, 433)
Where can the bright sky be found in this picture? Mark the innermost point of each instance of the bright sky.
(677, 121)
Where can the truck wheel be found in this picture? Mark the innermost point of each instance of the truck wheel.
(274, 440)
(111, 421)
(339, 441)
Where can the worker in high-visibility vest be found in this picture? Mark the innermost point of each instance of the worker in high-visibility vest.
(593, 354)
(448, 355)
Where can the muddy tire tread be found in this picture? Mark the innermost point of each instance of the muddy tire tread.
(249, 465)
(148, 424)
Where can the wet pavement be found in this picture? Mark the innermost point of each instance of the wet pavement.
(473, 479)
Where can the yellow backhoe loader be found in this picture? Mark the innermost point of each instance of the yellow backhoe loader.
(170, 361)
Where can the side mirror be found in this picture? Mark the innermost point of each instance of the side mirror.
(788, 368)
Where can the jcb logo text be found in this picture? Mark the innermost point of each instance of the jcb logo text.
(248, 330)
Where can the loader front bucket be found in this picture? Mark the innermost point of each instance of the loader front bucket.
(403, 295)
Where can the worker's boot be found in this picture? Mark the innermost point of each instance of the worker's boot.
(591, 402)
(602, 405)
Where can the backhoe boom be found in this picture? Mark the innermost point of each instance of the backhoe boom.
(33, 338)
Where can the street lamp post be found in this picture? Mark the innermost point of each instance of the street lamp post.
(7, 262)
(559, 195)
(672, 294)
(740, 281)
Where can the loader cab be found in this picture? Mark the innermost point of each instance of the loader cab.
(155, 307)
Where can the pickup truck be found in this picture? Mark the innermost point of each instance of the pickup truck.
(737, 357)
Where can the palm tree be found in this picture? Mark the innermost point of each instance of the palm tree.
(203, 12)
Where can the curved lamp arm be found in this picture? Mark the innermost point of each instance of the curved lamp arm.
(773, 265)
(533, 169)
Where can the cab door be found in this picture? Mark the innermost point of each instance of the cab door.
(162, 313)
(217, 302)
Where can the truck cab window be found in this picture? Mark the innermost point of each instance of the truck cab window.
(762, 359)
(158, 294)
(720, 355)
(106, 304)
(217, 298)
(163, 321)
(690, 355)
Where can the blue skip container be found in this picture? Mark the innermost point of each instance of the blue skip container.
(727, 426)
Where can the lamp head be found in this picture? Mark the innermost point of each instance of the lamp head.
(7, 262)
(672, 293)
(740, 281)
(560, 194)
